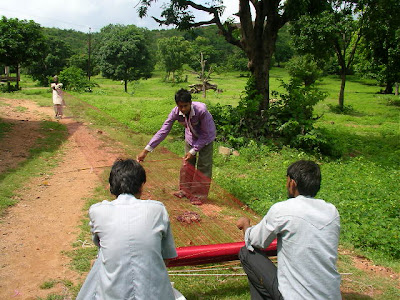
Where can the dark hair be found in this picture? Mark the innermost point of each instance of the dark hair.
(307, 176)
(126, 177)
(183, 96)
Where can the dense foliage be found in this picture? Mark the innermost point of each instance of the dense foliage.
(334, 31)
(21, 42)
(380, 57)
(124, 53)
(290, 118)
(173, 54)
(53, 59)
(74, 79)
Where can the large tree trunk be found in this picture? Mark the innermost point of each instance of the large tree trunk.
(261, 76)
(389, 88)
(342, 86)
(126, 85)
(258, 41)
(18, 76)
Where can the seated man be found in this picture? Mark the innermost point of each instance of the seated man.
(307, 232)
(134, 237)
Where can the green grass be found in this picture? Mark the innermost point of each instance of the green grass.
(363, 183)
(40, 159)
(4, 128)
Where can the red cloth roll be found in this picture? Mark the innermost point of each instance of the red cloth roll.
(214, 253)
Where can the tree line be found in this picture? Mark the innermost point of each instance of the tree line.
(311, 38)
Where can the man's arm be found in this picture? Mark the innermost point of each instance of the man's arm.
(243, 223)
(142, 155)
(160, 135)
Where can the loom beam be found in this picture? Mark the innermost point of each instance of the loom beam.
(214, 253)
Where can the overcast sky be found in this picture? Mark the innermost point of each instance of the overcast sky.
(84, 14)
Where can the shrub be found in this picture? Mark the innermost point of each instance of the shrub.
(8, 88)
(305, 68)
(74, 79)
(289, 118)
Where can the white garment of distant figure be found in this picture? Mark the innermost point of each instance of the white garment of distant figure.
(57, 93)
(58, 99)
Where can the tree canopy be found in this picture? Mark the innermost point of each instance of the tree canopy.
(173, 54)
(51, 62)
(21, 42)
(258, 33)
(381, 55)
(124, 54)
(333, 31)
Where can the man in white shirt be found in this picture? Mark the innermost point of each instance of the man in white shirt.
(134, 238)
(307, 230)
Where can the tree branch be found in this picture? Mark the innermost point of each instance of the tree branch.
(245, 20)
(353, 51)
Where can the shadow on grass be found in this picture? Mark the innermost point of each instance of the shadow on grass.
(346, 110)
(381, 149)
(222, 291)
(354, 296)
(24, 159)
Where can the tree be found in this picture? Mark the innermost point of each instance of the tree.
(124, 54)
(202, 45)
(334, 30)
(21, 42)
(284, 50)
(304, 68)
(173, 54)
(257, 38)
(82, 62)
(51, 61)
(382, 40)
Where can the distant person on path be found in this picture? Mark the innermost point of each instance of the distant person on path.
(58, 97)
(134, 238)
(199, 138)
(307, 230)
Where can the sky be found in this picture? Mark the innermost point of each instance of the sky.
(92, 15)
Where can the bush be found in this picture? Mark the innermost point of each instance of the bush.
(304, 68)
(289, 119)
(8, 88)
(74, 79)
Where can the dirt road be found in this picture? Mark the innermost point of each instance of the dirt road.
(44, 222)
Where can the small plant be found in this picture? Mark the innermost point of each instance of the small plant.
(48, 284)
(392, 100)
(8, 88)
(346, 110)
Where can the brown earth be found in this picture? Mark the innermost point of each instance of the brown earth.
(44, 223)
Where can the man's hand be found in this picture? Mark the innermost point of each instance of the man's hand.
(142, 155)
(188, 156)
(243, 223)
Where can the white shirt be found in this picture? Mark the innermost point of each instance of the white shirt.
(57, 93)
(134, 238)
(307, 230)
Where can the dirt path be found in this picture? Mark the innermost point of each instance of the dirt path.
(44, 222)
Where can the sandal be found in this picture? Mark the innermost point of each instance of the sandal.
(180, 194)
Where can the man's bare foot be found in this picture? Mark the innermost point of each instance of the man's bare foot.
(180, 194)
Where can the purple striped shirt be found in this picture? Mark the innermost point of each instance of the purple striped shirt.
(199, 127)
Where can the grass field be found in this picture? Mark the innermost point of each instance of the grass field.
(363, 183)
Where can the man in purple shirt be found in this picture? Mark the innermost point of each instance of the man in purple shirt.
(199, 137)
